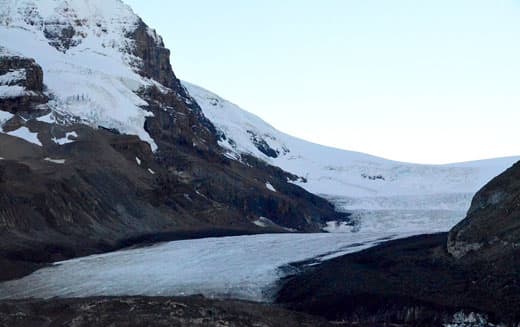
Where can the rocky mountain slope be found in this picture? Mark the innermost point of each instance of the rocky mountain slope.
(134, 311)
(428, 280)
(493, 221)
(357, 180)
(101, 146)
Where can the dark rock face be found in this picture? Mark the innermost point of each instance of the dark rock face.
(424, 280)
(99, 198)
(412, 281)
(262, 145)
(493, 221)
(29, 76)
(33, 80)
(60, 35)
(155, 57)
(177, 119)
(178, 122)
(143, 311)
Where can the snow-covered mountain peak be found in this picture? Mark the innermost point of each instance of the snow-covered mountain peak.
(68, 23)
(88, 52)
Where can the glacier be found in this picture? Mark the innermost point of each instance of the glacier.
(241, 267)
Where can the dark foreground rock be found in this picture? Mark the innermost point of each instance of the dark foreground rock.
(493, 222)
(143, 311)
(413, 281)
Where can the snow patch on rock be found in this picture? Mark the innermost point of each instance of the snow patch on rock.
(55, 161)
(69, 138)
(25, 134)
(270, 187)
(13, 77)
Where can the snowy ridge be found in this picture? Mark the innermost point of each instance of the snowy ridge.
(354, 180)
(84, 49)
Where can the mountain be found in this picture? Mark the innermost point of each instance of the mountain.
(102, 147)
(352, 180)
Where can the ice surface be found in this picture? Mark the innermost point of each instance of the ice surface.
(26, 134)
(244, 267)
(396, 221)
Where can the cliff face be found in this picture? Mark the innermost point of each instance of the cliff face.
(22, 83)
(101, 146)
(492, 226)
(176, 116)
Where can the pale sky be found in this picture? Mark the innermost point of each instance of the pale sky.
(427, 81)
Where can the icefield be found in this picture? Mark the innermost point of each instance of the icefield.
(242, 267)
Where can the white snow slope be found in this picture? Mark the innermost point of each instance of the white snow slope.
(95, 79)
(353, 180)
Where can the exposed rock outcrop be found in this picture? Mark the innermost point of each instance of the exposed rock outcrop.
(493, 221)
(21, 83)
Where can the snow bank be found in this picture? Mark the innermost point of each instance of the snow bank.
(25, 134)
(69, 138)
(270, 187)
(55, 161)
